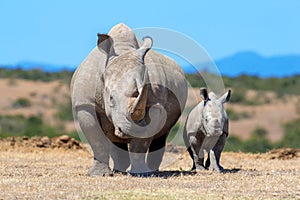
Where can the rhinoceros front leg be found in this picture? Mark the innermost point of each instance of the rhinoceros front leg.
(137, 152)
(156, 152)
(99, 143)
(196, 150)
(213, 160)
(120, 156)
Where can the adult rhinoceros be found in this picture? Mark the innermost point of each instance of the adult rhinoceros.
(126, 98)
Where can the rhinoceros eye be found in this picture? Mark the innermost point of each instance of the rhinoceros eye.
(135, 94)
(111, 101)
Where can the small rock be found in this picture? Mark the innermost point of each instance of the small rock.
(46, 141)
(12, 141)
(64, 138)
(25, 137)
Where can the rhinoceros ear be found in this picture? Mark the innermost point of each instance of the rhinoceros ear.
(226, 97)
(147, 45)
(104, 43)
(204, 94)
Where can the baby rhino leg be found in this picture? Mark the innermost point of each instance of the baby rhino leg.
(196, 152)
(214, 155)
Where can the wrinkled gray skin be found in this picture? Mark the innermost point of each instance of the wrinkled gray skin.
(206, 129)
(126, 98)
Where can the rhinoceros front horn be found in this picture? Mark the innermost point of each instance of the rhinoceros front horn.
(138, 108)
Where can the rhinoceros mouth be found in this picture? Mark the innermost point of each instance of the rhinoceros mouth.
(121, 134)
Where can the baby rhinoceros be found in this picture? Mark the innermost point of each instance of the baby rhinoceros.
(206, 129)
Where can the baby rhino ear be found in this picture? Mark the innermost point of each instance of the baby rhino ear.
(204, 94)
(226, 97)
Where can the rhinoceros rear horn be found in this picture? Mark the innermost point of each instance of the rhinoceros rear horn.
(147, 45)
(104, 42)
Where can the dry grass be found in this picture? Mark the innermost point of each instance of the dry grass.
(44, 173)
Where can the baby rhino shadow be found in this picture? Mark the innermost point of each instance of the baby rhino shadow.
(173, 173)
(231, 171)
(177, 173)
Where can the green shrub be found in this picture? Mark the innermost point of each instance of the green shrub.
(75, 135)
(298, 107)
(36, 74)
(36, 127)
(257, 143)
(242, 83)
(232, 115)
(233, 143)
(12, 125)
(238, 96)
(21, 126)
(65, 111)
(21, 103)
(291, 138)
(173, 132)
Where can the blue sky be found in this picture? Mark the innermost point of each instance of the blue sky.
(64, 32)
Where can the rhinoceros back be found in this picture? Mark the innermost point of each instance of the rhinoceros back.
(86, 78)
(164, 71)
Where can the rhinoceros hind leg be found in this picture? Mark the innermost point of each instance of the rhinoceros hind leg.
(100, 169)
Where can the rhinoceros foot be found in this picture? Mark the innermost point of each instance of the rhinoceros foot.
(199, 168)
(115, 171)
(215, 167)
(143, 174)
(100, 169)
(213, 164)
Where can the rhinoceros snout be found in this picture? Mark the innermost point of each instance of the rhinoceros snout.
(120, 133)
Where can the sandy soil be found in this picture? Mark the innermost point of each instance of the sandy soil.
(43, 96)
(60, 172)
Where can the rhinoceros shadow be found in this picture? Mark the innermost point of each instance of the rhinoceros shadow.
(177, 173)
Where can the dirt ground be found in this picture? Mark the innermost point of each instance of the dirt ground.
(35, 170)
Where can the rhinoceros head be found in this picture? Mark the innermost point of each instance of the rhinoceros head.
(213, 115)
(125, 82)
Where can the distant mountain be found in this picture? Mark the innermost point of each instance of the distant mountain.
(254, 64)
(251, 63)
(29, 65)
